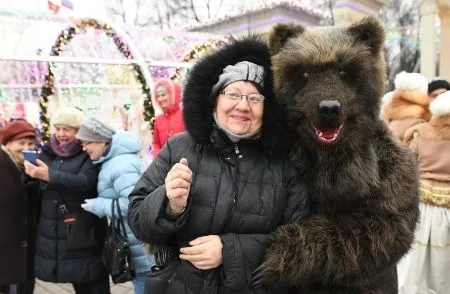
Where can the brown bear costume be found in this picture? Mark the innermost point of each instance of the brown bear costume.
(363, 184)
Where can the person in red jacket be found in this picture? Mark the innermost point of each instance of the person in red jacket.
(170, 122)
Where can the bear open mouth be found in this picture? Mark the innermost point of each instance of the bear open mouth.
(327, 134)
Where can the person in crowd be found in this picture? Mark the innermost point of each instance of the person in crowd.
(437, 87)
(408, 105)
(425, 268)
(18, 208)
(67, 178)
(120, 168)
(170, 122)
(213, 196)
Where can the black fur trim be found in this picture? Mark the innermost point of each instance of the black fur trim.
(199, 102)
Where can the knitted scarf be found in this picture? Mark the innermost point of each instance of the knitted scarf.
(65, 150)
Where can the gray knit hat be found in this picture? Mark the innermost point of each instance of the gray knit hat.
(94, 130)
(241, 71)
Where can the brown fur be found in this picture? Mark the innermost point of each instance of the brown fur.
(400, 109)
(413, 96)
(437, 129)
(363, 187)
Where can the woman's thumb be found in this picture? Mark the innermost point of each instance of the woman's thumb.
(184, 161)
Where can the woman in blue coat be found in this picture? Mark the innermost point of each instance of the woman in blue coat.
(120, 169)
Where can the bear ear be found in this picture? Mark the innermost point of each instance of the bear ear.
(369, 31)
(282, 32)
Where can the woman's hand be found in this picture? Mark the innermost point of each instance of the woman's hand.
(178, 184)
(204, 253)
(39, 171)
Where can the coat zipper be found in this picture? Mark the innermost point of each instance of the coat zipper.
(238, 155)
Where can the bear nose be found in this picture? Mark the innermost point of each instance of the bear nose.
(329, 109)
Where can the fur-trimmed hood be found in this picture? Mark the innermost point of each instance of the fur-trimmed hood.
(199, 103)
(400, 109)
(409, 99)
(438, 128)
(174, 93)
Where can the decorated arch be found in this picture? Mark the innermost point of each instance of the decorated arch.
(123, 44)
(199, 51)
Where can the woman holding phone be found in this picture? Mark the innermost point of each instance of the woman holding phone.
(67, 178)
(18, 206)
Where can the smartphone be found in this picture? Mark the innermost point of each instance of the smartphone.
(30, 156)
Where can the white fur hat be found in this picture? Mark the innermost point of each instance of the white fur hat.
(69, 116)
(441, 105)
(411, 81)
(387, 97)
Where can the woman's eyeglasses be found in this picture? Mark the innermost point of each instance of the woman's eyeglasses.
(236, 96)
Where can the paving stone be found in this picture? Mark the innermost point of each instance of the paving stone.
(52, 288)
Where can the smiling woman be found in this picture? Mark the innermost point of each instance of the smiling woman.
(170, 122)
(213, 195)
(236, 115)
(67, 177)
(18, 208)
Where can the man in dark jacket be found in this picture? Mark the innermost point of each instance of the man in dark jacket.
(215, 194)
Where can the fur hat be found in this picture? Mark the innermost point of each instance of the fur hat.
(15, 130)
(438, 84)
(69, 116)
(411, 87)
(387, 97)
(94, 130)
(409, 99)
(441, 105)
(199, 100)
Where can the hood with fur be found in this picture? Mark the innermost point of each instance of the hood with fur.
(409, 99)
(199, 103)
(173, 91)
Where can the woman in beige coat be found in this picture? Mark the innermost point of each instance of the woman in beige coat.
(426, 267)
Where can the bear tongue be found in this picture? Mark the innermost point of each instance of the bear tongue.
(328, 133)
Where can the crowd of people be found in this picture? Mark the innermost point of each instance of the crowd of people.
(209, 201)
(85, 166)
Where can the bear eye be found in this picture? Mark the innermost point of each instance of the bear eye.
(305, 75)
(342, 73)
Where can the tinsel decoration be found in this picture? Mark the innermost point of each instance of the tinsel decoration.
(198, 52)
(63, 39)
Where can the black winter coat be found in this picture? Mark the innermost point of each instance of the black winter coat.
(72, 180)
(237, 192)
(19, 198)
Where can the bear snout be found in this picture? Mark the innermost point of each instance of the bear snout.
(329, 110)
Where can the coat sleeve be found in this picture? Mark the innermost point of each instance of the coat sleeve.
(123, 181)
(156, 144)
(82, 182)
(146, 211)
(243, 253)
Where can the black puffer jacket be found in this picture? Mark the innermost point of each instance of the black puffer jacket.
(240, 192)
(72, 179)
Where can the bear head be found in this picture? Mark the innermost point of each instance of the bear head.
(329, 79)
